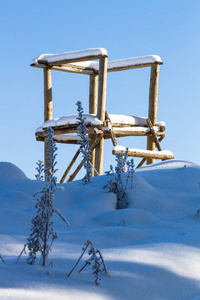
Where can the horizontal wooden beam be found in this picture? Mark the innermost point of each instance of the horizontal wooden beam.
(115, 69)
(146, 154)
(69, 69)
(66, 61)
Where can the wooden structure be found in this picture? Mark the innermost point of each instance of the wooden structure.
(93, 62)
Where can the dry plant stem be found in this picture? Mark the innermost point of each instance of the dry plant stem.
(87, 263)
(122, 222)
(23, 250)
(2, 259)
(97, 251)
(79, 259)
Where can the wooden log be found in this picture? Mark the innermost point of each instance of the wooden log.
(93, 110)
(67, 68)
(60, 141)
(154, 134)
(101, 110)
(70, 166)
(109, 125)
(147, 154)
(66, 61)
(65, 130)
(48, 106)
(131, 67)
(122, 133)
(93, 94)
(141, 163)
(153, 97)
(98, 139)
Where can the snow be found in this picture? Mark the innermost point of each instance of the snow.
(90, 119)
(134, 61)
(49, 58)
(122, 63)
(154, 256)
(94, 65)
(122, 148)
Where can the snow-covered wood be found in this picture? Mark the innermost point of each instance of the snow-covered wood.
(165, 154)
(153, 99)
(89, 67)
(90, 119)
(121, 64)
(62, 58)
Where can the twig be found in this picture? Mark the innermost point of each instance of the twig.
(23, 250)
(104, 266)
(84, 249)
(2, 259)
(61, 216)
(122, 222)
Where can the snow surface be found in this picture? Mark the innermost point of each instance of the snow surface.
(114, 64)
(71, 120)
(49, 58)
(93, 120)
(156, 255)
(122, 63)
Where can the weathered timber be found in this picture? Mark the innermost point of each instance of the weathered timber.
(66, 68)
(70, 166)
(48, 106)
(153, 97)
(98, 139)
(66, 61)
(154, 134)
(146, 154)
(93, 110)
(141, 163)
(109, 124)
(115, 69)
(101, 111)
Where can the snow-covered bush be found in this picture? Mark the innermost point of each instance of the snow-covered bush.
(84, 143)
(42, 233)
(115, 184)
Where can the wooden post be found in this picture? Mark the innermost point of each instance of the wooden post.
(153, 96)
(70, 166)
(48, 107)
(101, 110)
(93, 110)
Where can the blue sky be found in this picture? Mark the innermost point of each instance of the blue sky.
(170, 29)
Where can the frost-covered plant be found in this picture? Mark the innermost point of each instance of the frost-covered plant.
(40, 170)
(84, 143)
(115, 184)
(42, 234)
(95, 258)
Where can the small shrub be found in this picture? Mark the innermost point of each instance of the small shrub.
(42, 233)
(115, 184)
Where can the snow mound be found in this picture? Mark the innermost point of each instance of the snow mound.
(9, 170)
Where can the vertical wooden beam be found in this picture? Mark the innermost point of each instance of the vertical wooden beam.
(48, 107)
(153, 97)
(101, 110)
(93, 110)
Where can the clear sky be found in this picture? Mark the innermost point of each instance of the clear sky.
(168, 28)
